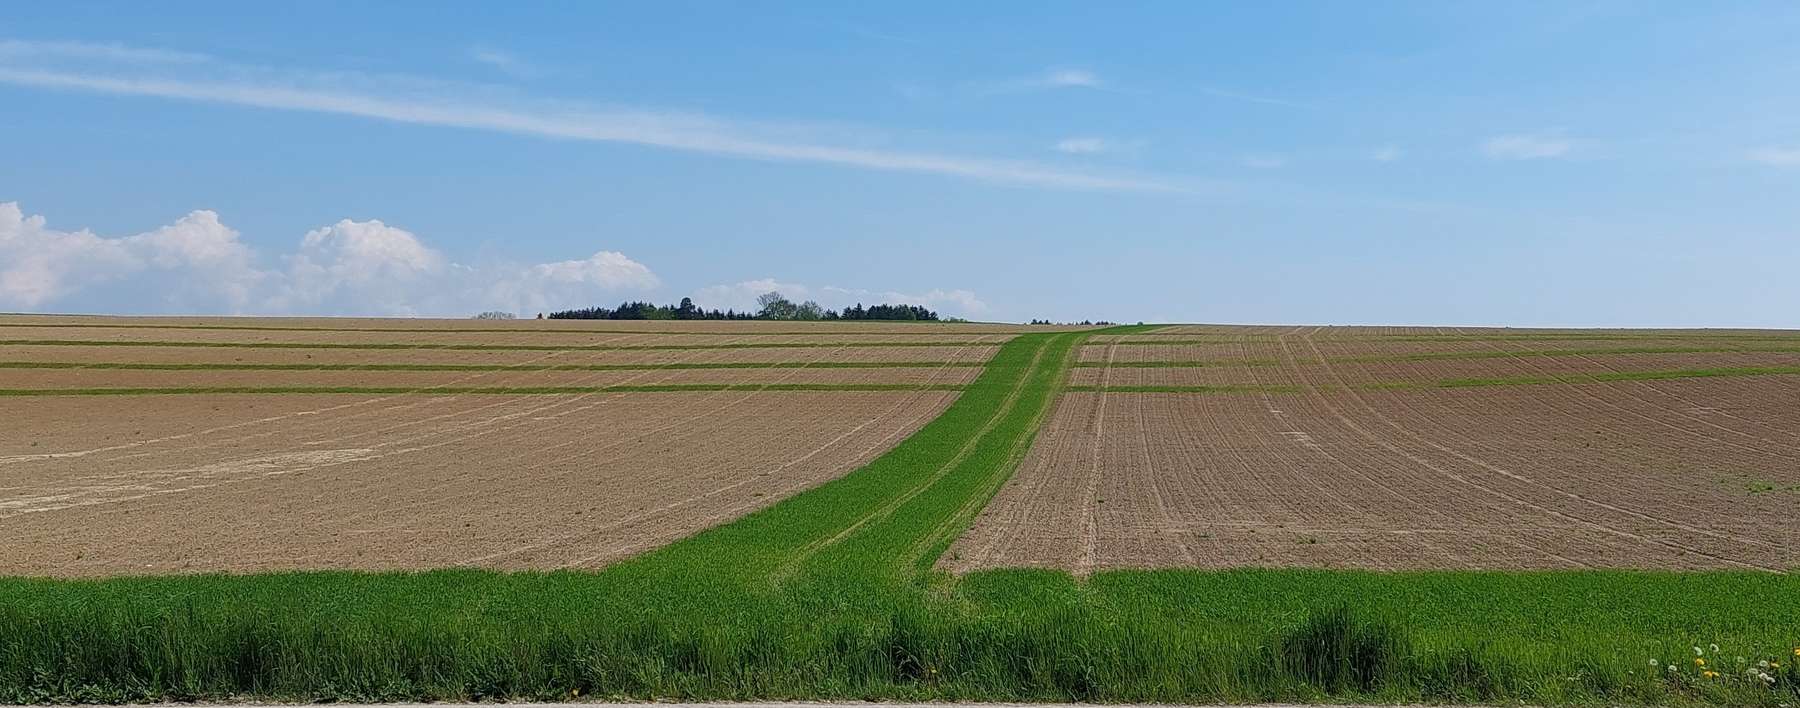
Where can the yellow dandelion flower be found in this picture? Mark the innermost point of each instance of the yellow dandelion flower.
(1710, 674)
(1699, 661)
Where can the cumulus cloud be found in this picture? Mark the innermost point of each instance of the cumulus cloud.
(742, 296)
(199, 265)
(1526, 147)
(198, 257)
(1776, 156)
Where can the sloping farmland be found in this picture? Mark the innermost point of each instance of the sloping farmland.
(1411, 448)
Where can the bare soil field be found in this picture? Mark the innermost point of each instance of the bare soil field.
(103, 485)
(248, 483)
(352, 324)
(425, 380)
(1680, 474)
(970, 353)
(572, 340)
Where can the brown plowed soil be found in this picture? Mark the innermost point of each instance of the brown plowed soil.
(180, 355)
(74, 323)
(1680, 474)
(494, 339)
(106, 378)
(412, 481)
(104, 485)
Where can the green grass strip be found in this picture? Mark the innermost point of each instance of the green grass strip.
(470, 390)
(671, 366)
(486, 347)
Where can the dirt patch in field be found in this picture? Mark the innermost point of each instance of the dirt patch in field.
(1681, 474)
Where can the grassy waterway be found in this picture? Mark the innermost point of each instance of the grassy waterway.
(831, 594)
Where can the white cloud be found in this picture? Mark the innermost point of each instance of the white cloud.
(22, 49)
(1048, 80)
(196, 257)
(1776, 156)
(1070, 78)
(1386, 153)
(961, 302)
(1526, 147)
(1265, 162)
(198, 265)
(441, 104)
(1081, 146)
(742, 296)
(1253, 98)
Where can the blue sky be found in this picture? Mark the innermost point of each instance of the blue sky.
(1562, 163)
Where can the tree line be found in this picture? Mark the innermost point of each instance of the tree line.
(770, 306)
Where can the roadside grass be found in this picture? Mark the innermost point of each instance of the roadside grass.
(830, 594)
(485, 347)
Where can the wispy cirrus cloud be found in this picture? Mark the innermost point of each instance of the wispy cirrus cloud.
(1775, 156)
(424, 102)
(1081, 146)
(26, 49)
(1048, 80)
(1526, 146)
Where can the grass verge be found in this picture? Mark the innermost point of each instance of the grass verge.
(829, 595)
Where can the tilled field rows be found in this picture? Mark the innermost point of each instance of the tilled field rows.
(424, 478)
(1683, 473)
(520, 327)
(968, 354)
(413, 482)
(33, 379)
